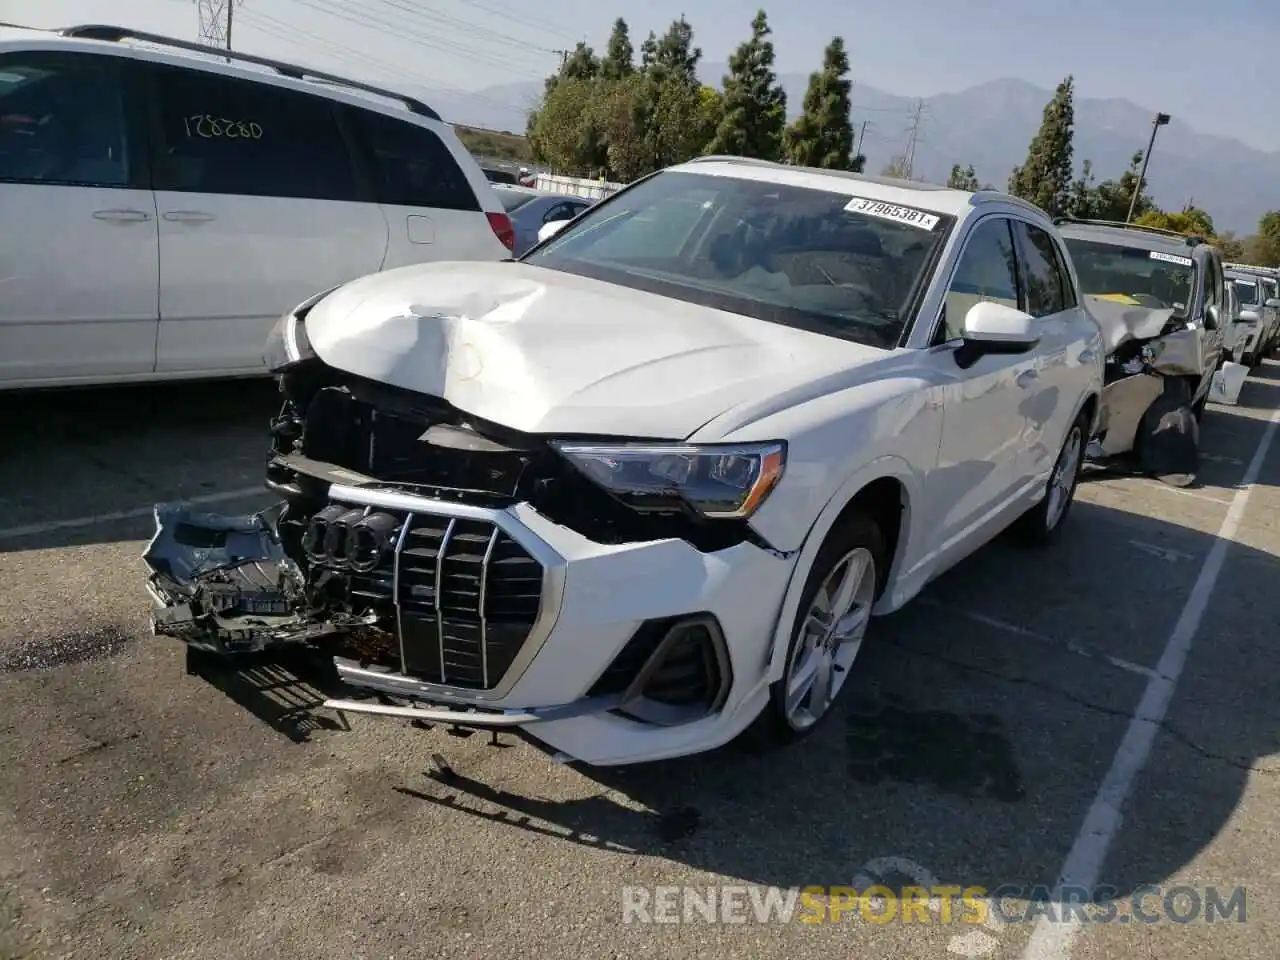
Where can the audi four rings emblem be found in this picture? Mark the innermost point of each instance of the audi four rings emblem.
(349, 538)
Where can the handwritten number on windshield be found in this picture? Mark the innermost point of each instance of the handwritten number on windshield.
(209, 127)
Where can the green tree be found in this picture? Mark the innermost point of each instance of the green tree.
(823, 135)
(1111, 198)
(674, 54)
(896, 168)
(755, 106)
(619, 56)
(582, 64)
(966, 179)
(1230, 245)
(1045, 178)
(564, 133)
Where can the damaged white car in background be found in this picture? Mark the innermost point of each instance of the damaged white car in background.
(642, 491)
(1160, 300)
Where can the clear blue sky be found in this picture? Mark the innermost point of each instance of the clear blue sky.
(1209, 64)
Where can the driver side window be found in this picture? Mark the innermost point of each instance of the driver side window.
(987, 270)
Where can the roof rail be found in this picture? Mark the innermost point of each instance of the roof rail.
(114, 34)
(733, 158)
(1191, 240)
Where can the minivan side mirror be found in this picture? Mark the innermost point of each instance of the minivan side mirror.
(995, 328)
(1211, 317)
(1273, 304)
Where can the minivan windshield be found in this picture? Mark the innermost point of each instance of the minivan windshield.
(835, 264)
(1133, 276)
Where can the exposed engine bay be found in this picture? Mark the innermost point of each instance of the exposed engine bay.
(447, 597)
(1156, 365)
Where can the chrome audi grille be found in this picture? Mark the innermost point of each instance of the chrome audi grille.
(464, 595)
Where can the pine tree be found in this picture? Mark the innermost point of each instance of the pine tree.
(674, 54)
(963, 179)
(617, 62)
(823, 134)
(755, 105)
(581, 65)
(1046, 178)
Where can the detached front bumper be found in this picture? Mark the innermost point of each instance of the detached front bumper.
(497, 618)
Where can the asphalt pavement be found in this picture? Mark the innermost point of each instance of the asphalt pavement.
(1103, 708)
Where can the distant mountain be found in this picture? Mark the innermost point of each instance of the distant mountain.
(990, 126)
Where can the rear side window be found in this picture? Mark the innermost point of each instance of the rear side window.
(1048, 284)
(410, 166)
(62, 120)
(231, 136)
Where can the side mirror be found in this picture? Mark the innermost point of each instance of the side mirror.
(549, 230)
(995, 328)
(1247, 316)
(1273, 304)
(1211, 317)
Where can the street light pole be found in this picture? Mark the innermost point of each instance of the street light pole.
(1159, 121)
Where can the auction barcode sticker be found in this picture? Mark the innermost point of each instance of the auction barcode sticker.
(1170, 258)
(891, 211)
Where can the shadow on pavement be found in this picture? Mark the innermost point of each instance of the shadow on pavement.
(989, 795)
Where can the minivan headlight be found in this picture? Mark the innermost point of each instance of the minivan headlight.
(723, 481)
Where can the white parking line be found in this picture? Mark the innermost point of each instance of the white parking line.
(1012, 628)
(34, 529)
(1053, 940)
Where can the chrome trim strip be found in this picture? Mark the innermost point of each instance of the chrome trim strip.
(395, 582)
(484, 592)
(554, 571)
(475, 718)
(439, 584)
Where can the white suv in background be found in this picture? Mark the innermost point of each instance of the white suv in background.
(162, 207)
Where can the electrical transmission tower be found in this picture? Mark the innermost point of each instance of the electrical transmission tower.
(215, 21)
(912, 137)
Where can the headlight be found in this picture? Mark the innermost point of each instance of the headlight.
(286, 344)
(717, 480)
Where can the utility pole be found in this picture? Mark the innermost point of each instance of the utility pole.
(910, 157)
(862, 132)
(1157, 122)
(216, 20)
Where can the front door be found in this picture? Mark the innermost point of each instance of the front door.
(259, 209)
(983, 405)
(79, 257)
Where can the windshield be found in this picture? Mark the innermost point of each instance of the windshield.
(513, 199)
(1246, 291)
(843, 266)
(1132, 276)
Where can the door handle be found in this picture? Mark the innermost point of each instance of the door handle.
(1026, 378)
(188, 216)
(1088, 356)
(122, 216)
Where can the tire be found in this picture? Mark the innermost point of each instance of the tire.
(1042, 524)
(857, 539)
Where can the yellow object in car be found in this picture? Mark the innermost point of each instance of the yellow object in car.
(1124, 298)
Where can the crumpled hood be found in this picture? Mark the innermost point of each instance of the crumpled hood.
(1121, 322)
(548, 352)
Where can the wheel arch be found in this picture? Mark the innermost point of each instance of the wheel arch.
(888, 489)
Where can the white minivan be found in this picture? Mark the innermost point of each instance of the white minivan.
(160, 208)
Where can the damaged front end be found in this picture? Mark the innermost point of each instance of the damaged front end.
(1156, 370)
(400, 547)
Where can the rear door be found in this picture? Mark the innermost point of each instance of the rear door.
(430, 206)
(260, 207)
(79, 255)
(1211, 335)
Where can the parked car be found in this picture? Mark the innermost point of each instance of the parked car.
(530, 210)
(1159, 297)
(1259, 295)
(497, 176)
(163, 209)
(640, 492)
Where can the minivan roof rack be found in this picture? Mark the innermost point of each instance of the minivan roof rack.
(1190, 239)
(114, 34)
